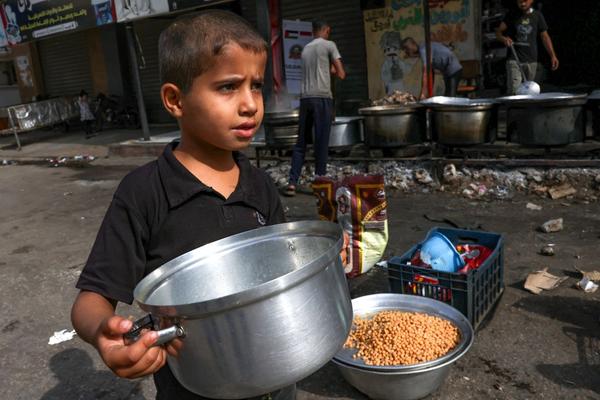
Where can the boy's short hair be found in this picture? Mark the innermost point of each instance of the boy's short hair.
(188, 47)
(319, 24)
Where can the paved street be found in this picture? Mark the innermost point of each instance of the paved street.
(545, 346)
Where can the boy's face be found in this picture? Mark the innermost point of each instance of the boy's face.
(224, 107)
(524, 5)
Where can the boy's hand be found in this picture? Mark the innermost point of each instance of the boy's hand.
(344, 251)
(129, 360)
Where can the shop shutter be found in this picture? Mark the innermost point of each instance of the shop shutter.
(345, 18)
(148, 30)
(65, 65)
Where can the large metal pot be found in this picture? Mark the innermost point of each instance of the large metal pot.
(258, 310)
(593, 104)
(407, 382)
(547, 119)
(346, 131)
(393, 125)
(461, 121)
(281, 128)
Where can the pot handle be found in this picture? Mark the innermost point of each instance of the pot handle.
(149, 322)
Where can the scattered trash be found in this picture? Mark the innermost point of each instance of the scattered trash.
(450, 174)
(61, 336)
(422, 176)
(547, 250)
(587, 285)
(531, 206)
(542, 280)
(466, 378)
(592, 275)
(561, 191)
(382, 264)
(553, 225)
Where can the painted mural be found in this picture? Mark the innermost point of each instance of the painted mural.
(452, 24)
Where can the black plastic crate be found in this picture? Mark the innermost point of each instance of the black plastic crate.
(474, 294)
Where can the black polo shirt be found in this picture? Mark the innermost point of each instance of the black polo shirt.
(160, 211)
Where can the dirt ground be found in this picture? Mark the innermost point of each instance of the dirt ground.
(533, 346)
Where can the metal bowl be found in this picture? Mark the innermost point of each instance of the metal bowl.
(403, 382)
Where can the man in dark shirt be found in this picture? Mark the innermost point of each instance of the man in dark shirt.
(521, 31)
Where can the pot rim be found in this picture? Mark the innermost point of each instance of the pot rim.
(235, 300)
(558, 98)
(390, 109)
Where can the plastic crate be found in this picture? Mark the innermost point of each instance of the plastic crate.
(474, 294)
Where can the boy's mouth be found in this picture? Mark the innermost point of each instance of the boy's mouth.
(245, 130)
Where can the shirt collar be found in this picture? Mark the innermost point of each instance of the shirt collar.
(180, 184)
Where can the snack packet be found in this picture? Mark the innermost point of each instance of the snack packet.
(359, 205)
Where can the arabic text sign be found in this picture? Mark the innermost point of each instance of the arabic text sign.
(34, 19)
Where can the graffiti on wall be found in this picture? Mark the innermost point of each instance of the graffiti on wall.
(452, 24)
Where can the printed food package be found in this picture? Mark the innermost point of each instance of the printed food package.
(359, 205)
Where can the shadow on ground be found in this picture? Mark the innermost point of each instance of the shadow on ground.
(582, 316)
(78, 379)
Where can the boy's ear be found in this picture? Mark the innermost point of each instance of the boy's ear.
(171, 95)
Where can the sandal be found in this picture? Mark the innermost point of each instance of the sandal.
(290, 191)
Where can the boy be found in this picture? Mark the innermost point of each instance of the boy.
(200, 190)
(521, 30)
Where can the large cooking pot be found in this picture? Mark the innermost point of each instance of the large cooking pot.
(547, 119)
(281, 128)
(346, 131)
(257, 311)
(393, 125)
(460, 121)
(593, 104)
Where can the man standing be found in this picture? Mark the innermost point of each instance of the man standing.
(521, 30)
(442, 59)
(320, 60)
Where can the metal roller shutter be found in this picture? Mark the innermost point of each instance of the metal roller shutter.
(65, 65)
(148, 30)
(345, 18)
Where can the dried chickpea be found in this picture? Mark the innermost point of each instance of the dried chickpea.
(401, 338)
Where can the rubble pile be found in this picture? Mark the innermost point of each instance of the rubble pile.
(473, 183)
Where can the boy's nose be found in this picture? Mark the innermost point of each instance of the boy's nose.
(248, 103)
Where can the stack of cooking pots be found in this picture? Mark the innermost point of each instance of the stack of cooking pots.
(593, 104)
(281, 130)
(390, 126)
(547, 119)
(459, 121)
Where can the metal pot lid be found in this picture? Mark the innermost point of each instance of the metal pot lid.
(371, 304)
(260, 263)
(542, 97)
(390, 109)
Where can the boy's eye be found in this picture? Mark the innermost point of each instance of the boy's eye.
(257, 86)
(228, 87)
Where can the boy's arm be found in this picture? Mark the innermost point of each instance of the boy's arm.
(550, 49)
(337, 69)
(507, 41)
(94, 321)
